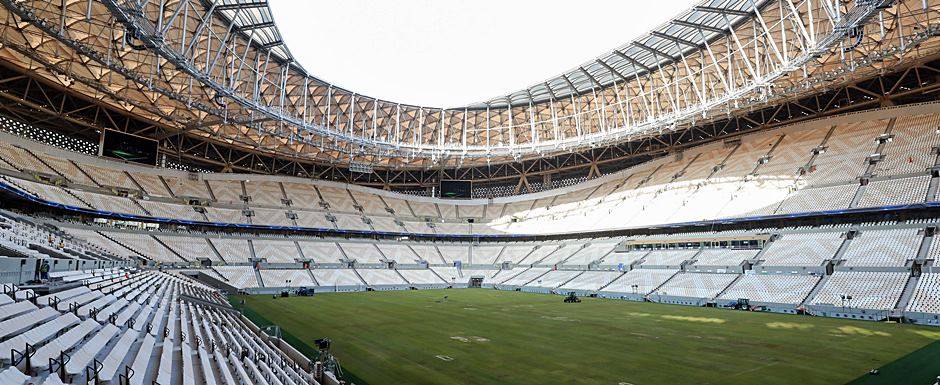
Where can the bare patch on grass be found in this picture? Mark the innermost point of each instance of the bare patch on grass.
(928, 333)
(857, 331)
(789, 325)
(695, 319)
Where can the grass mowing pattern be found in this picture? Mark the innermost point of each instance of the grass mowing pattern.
(499, 337)
(919, 367)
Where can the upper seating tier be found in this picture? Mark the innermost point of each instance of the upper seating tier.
(806, 167)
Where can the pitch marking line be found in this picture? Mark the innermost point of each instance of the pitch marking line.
(470, 339)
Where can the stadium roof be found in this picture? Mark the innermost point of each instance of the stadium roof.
(220, 70)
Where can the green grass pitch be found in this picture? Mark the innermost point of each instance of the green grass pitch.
(481, 336)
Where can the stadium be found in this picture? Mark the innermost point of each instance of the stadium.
(747, 193)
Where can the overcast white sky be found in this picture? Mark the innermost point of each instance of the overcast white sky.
(449, 53)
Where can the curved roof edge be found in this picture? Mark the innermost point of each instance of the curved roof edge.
(668, 43)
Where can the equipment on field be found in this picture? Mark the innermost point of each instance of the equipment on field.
(740, 304)
(329, 363)
(572, 298)
(323, 344)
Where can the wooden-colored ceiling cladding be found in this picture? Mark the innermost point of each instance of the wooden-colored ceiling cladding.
(219, 70)
(51, 108)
